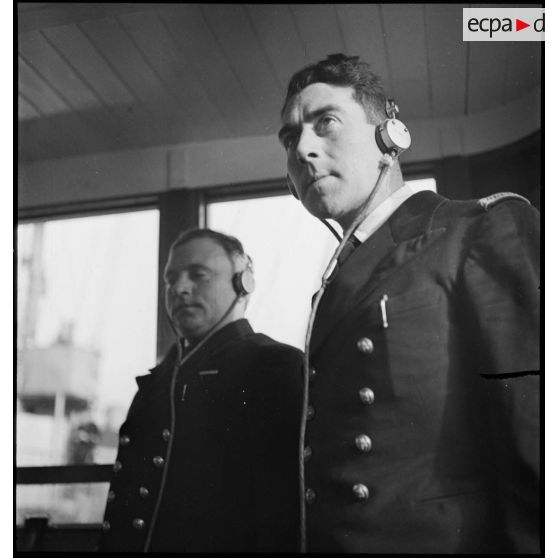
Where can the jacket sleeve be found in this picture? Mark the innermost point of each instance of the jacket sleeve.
(501, 279)
(276, 402)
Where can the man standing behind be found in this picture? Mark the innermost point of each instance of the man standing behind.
(422, 399)
(208, 451)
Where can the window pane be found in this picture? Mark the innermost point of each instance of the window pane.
(63, 503)
(290, 249)
(87, 303)
(87, 315)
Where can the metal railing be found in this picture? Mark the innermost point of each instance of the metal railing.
(63, 474)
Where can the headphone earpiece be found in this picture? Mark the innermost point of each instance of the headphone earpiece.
(292, 188)
(392, 136)
(244, 282)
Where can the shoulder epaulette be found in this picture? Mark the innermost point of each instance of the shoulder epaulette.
(489, 201)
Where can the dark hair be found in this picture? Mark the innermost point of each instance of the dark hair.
(344, 71)
(232, 246)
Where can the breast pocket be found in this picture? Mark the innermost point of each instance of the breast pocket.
(412, 301)
(416, 337)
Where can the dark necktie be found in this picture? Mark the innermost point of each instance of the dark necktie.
(352, 244)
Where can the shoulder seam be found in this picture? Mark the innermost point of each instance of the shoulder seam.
(487, 202)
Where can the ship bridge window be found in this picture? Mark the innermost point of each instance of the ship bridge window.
(87, 320)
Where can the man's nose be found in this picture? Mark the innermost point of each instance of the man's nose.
(183, 285)
(308, 146)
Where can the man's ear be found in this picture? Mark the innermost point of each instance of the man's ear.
(292, 188)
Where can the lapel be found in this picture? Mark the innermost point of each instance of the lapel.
(156, 385)
(404, 235)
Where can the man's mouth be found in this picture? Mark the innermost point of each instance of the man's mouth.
(185, 308)
(315, 180)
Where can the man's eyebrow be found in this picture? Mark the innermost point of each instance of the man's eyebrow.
(198, 267)
(307, 117)
(190, 267)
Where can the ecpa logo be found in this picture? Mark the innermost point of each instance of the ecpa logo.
(503, 24)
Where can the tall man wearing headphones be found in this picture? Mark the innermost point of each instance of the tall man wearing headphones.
(208, 452)
(420, 423)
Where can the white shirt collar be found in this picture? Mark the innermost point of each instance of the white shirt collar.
(382, 213)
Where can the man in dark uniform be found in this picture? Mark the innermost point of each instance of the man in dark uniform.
(422, 422)
(215, 470)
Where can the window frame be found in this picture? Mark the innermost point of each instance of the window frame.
(95, 472)
(88, 208)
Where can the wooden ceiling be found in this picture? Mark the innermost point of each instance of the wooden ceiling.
(107, 77)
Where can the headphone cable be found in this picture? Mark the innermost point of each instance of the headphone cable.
(178, 364)
(386, 162)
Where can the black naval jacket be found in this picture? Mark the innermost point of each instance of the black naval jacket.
(423, 430)
(231, 483)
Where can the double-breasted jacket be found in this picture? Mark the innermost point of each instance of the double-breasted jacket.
(423, 423)
(229, 481)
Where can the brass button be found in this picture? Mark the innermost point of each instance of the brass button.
(111, 496)
(361, 492)
(124, 440)
(310, 412)
(363, 443)
(307, 454)
(158, 461)
(312, 373)
(138, 523)
(310, 496)
(365, 345)
(143, 492)
(106, 527)
(166, 434)
(117, 466)
(366, 396)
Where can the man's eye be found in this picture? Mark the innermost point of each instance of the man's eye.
(325, 122)
(198, 275)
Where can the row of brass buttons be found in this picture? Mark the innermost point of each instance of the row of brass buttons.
(158, 461)
(362, 441)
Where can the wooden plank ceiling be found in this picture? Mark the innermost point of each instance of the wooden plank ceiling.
(103, 77)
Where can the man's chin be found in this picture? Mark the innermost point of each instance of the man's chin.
(189, 330)
(193, 333)
(319, 208)
(323, 211)
(327, 208)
